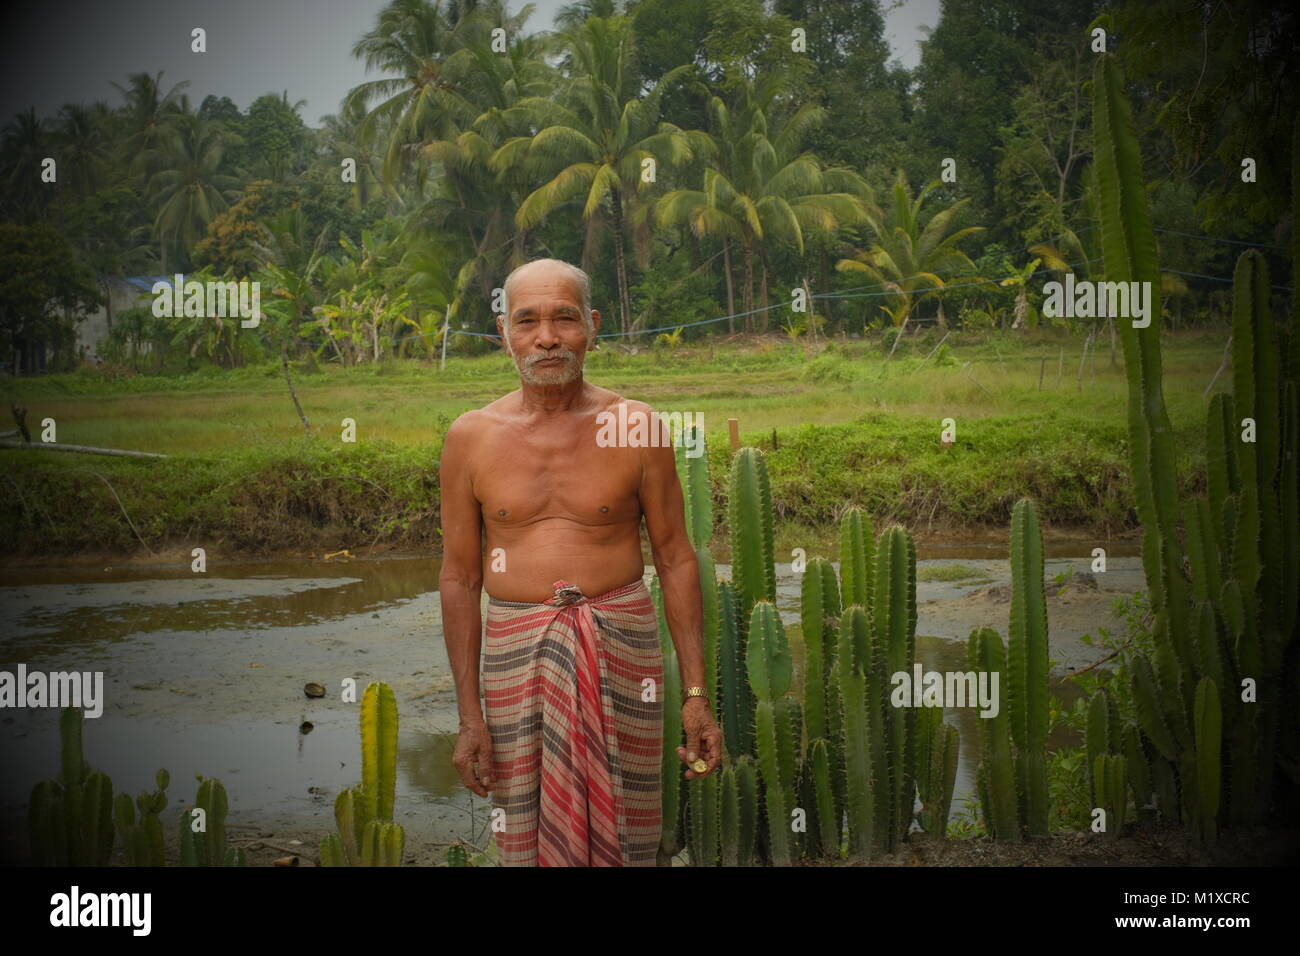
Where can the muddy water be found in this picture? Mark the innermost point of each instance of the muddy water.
(205, 674)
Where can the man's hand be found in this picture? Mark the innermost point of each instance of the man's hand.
(473, 756)
(703, 737)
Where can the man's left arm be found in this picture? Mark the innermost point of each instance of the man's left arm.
(674, 560)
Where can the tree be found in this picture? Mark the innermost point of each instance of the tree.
(41, 285)
(594, 146)
(190, 192)
(908, 257)
(759, 188)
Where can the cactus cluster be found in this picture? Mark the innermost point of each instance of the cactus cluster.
(69, 820)
(367, 835)
(75, 820)
(1228, 627)
(831, 753)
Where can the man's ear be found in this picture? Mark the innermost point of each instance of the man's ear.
(501, 334)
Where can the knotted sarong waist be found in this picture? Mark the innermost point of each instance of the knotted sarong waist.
(573, 692)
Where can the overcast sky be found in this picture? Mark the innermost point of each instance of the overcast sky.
(70, 52)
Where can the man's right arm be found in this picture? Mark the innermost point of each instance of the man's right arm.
(460, 581)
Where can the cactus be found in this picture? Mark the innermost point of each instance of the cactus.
(1097, 737)
(671, 777)
(735, 701)
(1239, 616)
(1209, 729)
(367, 835)
(893, 621)
(769, 667)
(70, 819)
(828, 817)
(1027, 666)
(1110, 772)
(697, 492)
(819, 604)
(1139, 771)
(857, 540)
(985, 653)
(936, 762)
(747, 807)
(456, 855)
(863, 742)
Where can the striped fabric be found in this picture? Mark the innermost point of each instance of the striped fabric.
(577, 754)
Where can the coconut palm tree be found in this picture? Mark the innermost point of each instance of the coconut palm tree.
(591, 145)
(191, 189)
(760, 187)
(412, 42)
(147, 116)
(907, 257)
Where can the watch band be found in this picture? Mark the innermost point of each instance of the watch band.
(690, 692)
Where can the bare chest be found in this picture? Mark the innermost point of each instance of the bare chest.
(524, 474)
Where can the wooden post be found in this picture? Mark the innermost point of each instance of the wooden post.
(1083, 358)
(774, 444)
(1041, 366)
(733, 426)
(1060, 367)
(812, 317)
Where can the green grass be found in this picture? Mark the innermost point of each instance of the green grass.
(850, 430)
(947, 572)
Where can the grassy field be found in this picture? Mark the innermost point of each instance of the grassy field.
(850, 428)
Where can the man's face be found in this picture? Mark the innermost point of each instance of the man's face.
(548, 339)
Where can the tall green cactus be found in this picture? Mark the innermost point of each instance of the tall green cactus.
(749, 503)
(1239, 616)
(769, 667)
(69, 820)
(936, 768)
(893, 621)
(697, 492)
(985, 653)
(1209, 729)
(1111, 773)
(672, 782)
(1027, 665)
(857, 544)
(367, 835)
(866, 791)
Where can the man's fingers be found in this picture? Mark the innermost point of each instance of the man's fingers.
(485, 767)
(713, 744)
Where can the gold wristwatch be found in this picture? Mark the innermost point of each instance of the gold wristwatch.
(694, 692)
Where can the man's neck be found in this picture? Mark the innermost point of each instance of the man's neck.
(553, 399)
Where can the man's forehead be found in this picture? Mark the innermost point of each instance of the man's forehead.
(543, 287)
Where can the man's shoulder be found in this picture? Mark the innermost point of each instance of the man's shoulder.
(477, 418)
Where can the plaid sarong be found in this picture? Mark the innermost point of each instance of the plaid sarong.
(577, 753)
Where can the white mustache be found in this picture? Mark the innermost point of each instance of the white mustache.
(566, 356)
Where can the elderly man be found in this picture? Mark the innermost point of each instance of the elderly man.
(571, 744)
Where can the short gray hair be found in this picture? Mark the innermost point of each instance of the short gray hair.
(580, 279)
